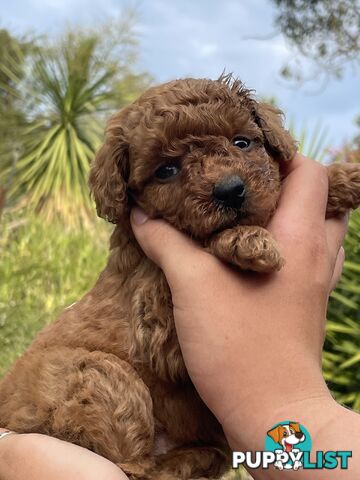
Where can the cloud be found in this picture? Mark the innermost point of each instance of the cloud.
(52, 4)
(186, 38)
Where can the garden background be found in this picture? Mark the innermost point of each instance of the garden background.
(66, 66)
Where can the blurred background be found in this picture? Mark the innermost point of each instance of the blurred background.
(66, 65)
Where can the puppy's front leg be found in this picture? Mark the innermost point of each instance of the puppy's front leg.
(248, 247)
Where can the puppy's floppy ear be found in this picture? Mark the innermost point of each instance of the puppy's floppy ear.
(107, 180)
(295, 426)
(275, 433)
(278, 141)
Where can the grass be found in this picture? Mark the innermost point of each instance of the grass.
(43, 268)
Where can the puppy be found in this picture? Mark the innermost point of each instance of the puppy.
(109, 374)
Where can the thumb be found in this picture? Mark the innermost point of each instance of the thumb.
(164, 245)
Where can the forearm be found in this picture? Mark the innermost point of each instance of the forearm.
(38, 457)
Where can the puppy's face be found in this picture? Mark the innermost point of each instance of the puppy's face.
(201, 154)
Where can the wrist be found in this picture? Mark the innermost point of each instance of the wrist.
(246, 424)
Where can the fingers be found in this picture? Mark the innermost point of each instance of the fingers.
(339, 264)
(165, 245)
(303, 197)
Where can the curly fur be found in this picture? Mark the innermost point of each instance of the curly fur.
(109, 374)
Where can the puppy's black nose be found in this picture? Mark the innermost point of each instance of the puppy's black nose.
(299, 435)
(230, 191)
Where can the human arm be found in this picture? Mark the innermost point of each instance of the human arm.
(39, 457)
(258, 339)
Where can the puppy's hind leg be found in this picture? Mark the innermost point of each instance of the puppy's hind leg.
(344, 188)
(109, 409)
(92, 399)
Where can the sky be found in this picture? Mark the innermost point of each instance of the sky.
(201, 38)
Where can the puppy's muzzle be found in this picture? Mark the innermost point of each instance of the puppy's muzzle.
(230, 192)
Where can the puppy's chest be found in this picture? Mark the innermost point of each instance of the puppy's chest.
(163, 443)
(150, 297)
(153, 340)
(181, 417)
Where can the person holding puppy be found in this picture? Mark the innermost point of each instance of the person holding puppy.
(252, 345)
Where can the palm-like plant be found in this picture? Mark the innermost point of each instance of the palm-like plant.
(341, 359)
(13, 52)
(70, 89)
(313, 145)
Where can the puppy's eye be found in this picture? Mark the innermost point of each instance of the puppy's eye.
(242, 142)
(166, 172)
(285, 434)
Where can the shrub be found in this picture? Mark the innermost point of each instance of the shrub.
(341, 359)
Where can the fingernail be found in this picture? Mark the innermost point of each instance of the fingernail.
(138, 216)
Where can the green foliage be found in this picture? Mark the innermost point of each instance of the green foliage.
(326, 32)
(13, 53)
(72, 85)
(341, 360)
(311, 144)
(43, 269)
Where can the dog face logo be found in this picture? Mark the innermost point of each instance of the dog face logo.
(287, 435)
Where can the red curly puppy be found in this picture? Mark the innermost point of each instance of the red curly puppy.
(108, 374)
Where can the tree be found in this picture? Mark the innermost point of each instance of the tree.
(326, 32)
(71, 86)
(12, 54)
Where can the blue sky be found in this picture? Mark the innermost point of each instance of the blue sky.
(200, 38)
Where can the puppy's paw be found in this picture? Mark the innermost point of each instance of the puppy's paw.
(249, 248)
(279, 465)
(140, 470)
(265, 256)
(344, 188)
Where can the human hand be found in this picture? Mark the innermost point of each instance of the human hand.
(39, 457)
(252, 344)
